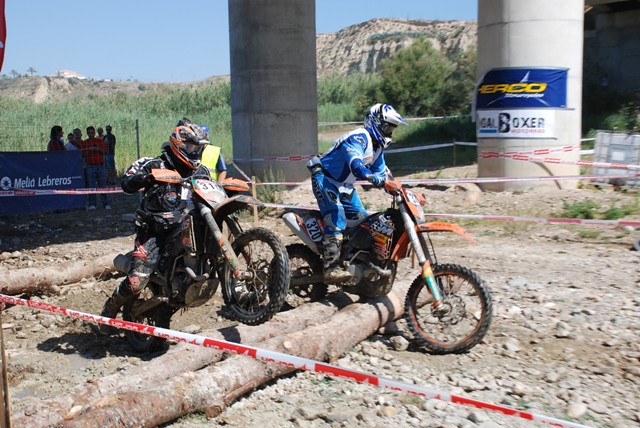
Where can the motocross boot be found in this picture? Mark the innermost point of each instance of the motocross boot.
(333, 272)
(112, 307)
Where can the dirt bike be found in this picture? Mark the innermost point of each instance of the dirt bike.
(448, 307)
(253, 270)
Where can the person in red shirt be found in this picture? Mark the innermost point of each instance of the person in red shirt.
(56, 139)
(93, 150)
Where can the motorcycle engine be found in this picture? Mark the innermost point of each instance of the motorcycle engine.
(190, 285)
(369, 246)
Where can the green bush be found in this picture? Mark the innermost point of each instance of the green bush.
(583, 209)
(420, 81)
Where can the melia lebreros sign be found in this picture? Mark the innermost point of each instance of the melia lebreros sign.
(23, 174)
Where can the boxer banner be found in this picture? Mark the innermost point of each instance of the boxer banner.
(518, 123)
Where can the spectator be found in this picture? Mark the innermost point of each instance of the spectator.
(77, 138)
(100, 133)
(212, 159)
(93, 151)
(110, 156)
(56, 139)
(70, 145)
(77, 142)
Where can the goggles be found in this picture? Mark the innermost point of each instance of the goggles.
(387, 128)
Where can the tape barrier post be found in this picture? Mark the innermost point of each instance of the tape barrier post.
(254, 193)
(6, 404)
(293, 361)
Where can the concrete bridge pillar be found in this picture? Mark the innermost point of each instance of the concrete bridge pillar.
(273, 85)
(520, 36)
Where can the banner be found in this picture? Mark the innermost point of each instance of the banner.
(3, 33)
(22, 173)
(522, 88)
(536, 123)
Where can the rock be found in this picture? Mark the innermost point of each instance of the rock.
(399, 343)
(599, 407)
(576, 410)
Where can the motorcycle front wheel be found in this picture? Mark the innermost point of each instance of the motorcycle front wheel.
(461, 320)
(159, 316)
(261, 288)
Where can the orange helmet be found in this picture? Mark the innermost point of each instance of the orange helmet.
(187, 143)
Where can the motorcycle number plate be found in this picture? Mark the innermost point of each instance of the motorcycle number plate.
(210, 190)
(412, 197)
(314, 229)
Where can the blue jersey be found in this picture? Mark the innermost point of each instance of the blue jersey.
(352, 157)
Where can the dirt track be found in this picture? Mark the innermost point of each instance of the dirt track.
(566, 324)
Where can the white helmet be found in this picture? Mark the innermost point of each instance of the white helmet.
(380, 121)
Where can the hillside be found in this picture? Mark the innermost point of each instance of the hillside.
(358, 48)
(362, 47)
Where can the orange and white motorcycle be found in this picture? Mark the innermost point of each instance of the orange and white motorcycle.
(448, 307)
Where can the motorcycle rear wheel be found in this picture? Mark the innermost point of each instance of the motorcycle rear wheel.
(260, 290)
(160, 316)
(304, 263)
(463, 318)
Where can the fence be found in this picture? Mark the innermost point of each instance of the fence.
(617, 148)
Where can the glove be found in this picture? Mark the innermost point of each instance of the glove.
(376, 180)
(148, 180)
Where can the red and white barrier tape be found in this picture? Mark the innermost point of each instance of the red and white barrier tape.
(541, 219)
(533, 157)
(413, 182)
(44, 192)
(410, 182)
(406, 149)
(299, 363)
(496, 217)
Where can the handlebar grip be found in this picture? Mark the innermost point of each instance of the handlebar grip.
(392, 185)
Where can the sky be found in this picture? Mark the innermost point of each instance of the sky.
(165, 40)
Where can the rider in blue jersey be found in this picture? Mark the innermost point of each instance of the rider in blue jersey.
(355, 155)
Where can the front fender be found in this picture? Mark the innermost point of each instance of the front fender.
(401, 248)
(235, 203)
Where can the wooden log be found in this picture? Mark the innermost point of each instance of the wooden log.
(47, 279)
(214, 388)
(179, 359)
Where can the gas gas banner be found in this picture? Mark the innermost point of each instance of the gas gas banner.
(3, 33)
(522, 88)
(23, 174)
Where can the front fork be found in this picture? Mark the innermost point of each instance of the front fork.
(427, 272)
(223, 242)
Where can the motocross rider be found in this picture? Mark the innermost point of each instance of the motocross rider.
(161, 211)
(355, 155)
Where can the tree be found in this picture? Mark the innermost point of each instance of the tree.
(420, 80)
(414, 78)
(31, 71)
(14, 74)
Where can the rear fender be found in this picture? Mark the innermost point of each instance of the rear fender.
(402, 247)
